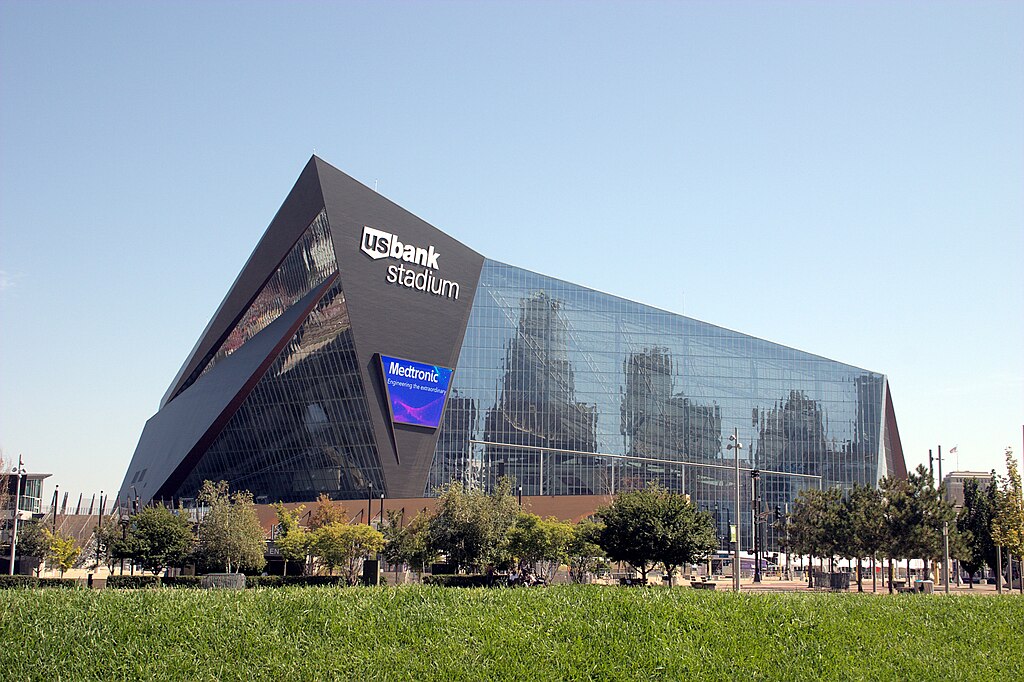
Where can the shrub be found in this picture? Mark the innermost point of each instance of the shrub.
(62, 583)
(180, 581)
(132, 582)
(14, 581)
(264, 581)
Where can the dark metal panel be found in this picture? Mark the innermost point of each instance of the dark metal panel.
(391, 319)
(893, 434)
(302, 204)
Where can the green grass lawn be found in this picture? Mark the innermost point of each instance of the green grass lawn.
(557, 633)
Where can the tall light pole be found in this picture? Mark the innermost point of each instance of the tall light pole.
(755, 478)
(20, 471)
(369, 503)
(735, 445)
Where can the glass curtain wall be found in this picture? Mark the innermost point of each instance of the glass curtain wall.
(570, 391)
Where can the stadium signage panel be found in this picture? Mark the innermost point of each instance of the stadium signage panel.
(378, 244)
(416, 391)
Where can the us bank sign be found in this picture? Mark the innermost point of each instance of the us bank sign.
(378, 244)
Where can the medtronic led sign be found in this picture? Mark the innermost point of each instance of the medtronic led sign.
(416, 391)
(378, 244)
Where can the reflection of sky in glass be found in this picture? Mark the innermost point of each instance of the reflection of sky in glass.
(529, 333)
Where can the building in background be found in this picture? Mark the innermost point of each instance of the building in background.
(953, 484)
(363, 351)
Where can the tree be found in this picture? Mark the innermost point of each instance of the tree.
(470, 526)
(33, 541)
(629, 530)
(865, 523)
(688, 535)
(584, 552)
(345, 545)
(1008, 520)
(815, 526)
(895, 508)
(62, 550)
(408, 543)
(161, 537)
(539, 546)
(928, 513)
(292, 539)
(230, 534)
(655, 525)
(974, 524)
(326, 512)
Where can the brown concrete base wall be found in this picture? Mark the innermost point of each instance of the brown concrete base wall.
(566, 508)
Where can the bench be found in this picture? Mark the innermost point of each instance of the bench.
(703, 585)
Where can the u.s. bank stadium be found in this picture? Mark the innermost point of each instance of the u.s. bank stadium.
(362, 351)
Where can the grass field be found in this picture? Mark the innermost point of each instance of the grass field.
(555, 633)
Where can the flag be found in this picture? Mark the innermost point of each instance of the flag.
(952, 450)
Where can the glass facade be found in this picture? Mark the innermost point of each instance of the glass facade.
(308, 265)
(305, 427)
(570, 391)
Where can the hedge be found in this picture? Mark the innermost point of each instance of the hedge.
(132, 582)
(180, 581)
(295, 580)
(28, 581)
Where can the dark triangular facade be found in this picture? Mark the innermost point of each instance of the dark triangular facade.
(306, 322)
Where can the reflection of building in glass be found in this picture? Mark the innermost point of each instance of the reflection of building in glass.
(537, 406)
(564, 389)
(659, 424)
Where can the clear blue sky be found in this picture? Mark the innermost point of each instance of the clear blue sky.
(844, 178)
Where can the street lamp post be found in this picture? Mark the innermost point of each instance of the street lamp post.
(381, 509)
(755, 478)
(369, 503)
(20, 471)
(735, 445)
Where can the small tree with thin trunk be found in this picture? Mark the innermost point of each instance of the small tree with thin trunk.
(292, 539)
(230, 534)
(345, 545)
(62, 551)
(408, 543)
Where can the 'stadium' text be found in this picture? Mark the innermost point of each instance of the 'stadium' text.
(423, 281)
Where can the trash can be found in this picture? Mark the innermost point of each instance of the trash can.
(839, 581)
(925, 586)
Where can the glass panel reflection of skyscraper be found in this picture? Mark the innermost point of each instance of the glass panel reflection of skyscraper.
(550, 371)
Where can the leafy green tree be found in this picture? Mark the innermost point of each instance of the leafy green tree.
(865, 523)
(539, 546)
(161, 537)
(1008, 520)
(470, 526)
(32, 541)
(896, 502)
(630, 530)
(292, 539)
(975, 525)
(117, 542)
(816, 526)
(345, 545)
(326, 512)
(230, 534)
(688, 535)
(62, 550)
(408, 543)
(929, 513)
(584, 553)
(654, 525)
